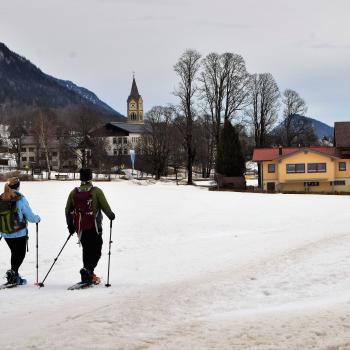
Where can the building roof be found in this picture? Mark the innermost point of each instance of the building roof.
(130, 128)
(134, 93)
(261, 154)
(342, 134)
(109, 131)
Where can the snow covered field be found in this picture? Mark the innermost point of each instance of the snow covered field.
(191, 269)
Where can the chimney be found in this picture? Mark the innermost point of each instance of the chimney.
(280, 150)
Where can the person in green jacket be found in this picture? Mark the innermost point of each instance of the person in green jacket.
(84, 216)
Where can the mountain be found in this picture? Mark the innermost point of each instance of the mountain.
(320, 129)
(23, 84)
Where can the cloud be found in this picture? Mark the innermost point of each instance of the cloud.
(152, 18)
(219, 24)
(313, 42)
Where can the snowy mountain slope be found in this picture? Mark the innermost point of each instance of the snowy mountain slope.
(24, 84)
(192, 270)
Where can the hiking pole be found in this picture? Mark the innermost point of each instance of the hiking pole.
(37, 254)
(41, 284)
(109, 253)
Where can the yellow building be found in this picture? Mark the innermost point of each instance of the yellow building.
(307, 169)
(311, 169)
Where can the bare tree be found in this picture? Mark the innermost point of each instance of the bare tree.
(205, 145)
(44, 130)
(16, 137)
(78, 143)
(292, 125)
(187, 69)
(156, 142)
(263, 107)
(224, 88)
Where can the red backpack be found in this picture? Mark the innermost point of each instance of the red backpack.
(83, 216)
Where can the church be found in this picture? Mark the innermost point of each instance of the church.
(121, 137)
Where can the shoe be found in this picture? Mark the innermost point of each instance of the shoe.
(86, 276)
(11, 277)
(20, 280)
(95, 279)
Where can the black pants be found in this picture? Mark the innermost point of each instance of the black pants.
(92, 246)
(18, 251)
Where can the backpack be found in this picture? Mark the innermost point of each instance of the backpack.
(9, 222)
(83, 216)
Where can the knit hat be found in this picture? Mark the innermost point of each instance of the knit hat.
(85, 174)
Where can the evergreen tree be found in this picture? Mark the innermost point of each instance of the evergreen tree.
(230, 160)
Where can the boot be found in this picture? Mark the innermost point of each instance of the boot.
(86, 276)
(11, 277)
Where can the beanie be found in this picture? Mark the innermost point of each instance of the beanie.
(85, 174)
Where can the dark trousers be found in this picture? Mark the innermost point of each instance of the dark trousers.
(92, 246)
(18, 251)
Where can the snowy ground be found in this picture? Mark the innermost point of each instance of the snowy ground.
(191, 269)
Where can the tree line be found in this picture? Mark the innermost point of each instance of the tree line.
(217, 92)
(222, 113)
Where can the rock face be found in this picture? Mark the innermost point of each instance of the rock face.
(23, 84)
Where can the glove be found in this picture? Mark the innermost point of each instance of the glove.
(112, 217)
(71, 229)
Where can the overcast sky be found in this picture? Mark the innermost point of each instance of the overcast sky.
(97, 44)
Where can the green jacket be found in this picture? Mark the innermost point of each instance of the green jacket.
(99, 202)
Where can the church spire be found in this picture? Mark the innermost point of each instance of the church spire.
(135, 104)
(134, 93)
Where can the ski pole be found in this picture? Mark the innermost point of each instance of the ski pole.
(109, 253)
(37, 254)
(41, 284)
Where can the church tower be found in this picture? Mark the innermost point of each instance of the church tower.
(135, 105)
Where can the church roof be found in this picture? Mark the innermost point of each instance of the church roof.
(134, 93)
(130, 128)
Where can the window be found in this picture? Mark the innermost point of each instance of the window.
(338, 183)
(31, 159)
(295, 168)
(311, 184)
(125, 151)
(316, 167)
(125, 140)
(23, 149)
(115, 151)
(24, 159)
(271, 168)
(114, 140)
(31, 149)
(342, 166)
(119, 140)
(54, 154)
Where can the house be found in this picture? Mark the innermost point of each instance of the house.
(34, 156)
(120, 137)
(307, 169)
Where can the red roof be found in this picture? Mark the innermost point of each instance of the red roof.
(261, 154)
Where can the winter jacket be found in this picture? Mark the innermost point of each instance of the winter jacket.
(99, 202)
(25, 213)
